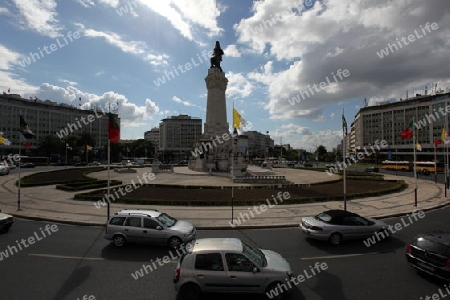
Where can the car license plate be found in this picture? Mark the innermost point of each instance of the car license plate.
(425, 266)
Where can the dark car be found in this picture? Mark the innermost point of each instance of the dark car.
(28, 165)
(430, 253)
(6, 221)
(306, 165)
(424, 172)
(372, 169)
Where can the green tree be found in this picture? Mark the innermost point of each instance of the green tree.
(321, 152)
(50, 144)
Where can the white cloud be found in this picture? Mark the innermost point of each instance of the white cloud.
(232, 51)
(130, 113)
(138, 48)
(68, 81)
(4, 10)
(86, 3)
(344, 34)
(184, 15)
(40, 16)
(238, 86)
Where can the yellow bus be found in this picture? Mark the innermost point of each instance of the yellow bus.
(396, 165)
(408, 166)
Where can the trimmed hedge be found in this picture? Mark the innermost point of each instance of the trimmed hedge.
(86, 185)
(99, 194)
(27, 181)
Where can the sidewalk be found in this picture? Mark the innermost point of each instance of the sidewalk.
(48, 203)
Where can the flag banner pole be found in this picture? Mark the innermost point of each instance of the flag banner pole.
(414, 166)
(435, 163)
(109, 163)
(344, 127)
(232, 170)
(18, 190)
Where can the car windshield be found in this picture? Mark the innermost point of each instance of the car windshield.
(167, 220)
(255, 254)
(323, 217)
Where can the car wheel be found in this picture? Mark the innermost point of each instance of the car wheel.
(174, 242)
(273, 292)
(335, 238)
(119, 240)
(190, 291)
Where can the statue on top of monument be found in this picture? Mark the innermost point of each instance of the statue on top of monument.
(216, 58)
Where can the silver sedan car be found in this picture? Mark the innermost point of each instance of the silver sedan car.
(337, 225)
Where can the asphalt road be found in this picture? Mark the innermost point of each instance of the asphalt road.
(69, 262)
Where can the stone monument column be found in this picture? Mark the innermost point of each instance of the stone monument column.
(216, 107)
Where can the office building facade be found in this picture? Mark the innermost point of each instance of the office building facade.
(45, 117)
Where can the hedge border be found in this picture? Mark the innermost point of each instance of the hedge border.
(23, 182)
(90, 197)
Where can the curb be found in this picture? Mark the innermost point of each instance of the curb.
(273, 226)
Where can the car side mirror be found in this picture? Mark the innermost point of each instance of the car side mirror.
(159, 228)
(255, 270)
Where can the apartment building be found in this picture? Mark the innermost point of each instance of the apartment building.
(45, 117)
(430, 114)
(258, 143)
(179, 134)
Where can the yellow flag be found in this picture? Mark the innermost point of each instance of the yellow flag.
(238, 121)
(418, 147)
(444, 134)
(88, 147)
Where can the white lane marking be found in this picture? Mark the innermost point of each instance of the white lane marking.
(66, 257)
(337, 256)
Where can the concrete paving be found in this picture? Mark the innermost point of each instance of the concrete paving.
(48, 203)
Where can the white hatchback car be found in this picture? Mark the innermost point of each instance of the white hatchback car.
(228, 265)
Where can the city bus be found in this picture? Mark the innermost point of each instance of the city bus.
(408, 166)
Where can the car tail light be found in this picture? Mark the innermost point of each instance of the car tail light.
(447, 264)
(316, 228)
(177, 275)
(408, 248)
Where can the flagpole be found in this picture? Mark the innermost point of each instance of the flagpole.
(343, 163)
(109, 162)
(435, 163)
(232, 168)
(18, 191)
(414, 166)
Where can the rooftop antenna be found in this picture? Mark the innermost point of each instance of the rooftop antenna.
(365, 102)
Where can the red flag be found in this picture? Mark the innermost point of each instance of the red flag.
(437, 142)
(113, 129)
(407, 133)
(24, 141)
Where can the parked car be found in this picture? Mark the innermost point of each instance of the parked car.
(94, 163)
(228, 265)
(306, 165)
(430, 253)
(4, 168)
(372, 169)
(338, 225)
(424, 172)
(6, 221)
(148, 227)
(28, 165)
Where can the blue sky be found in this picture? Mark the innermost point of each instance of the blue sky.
(292, 66)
